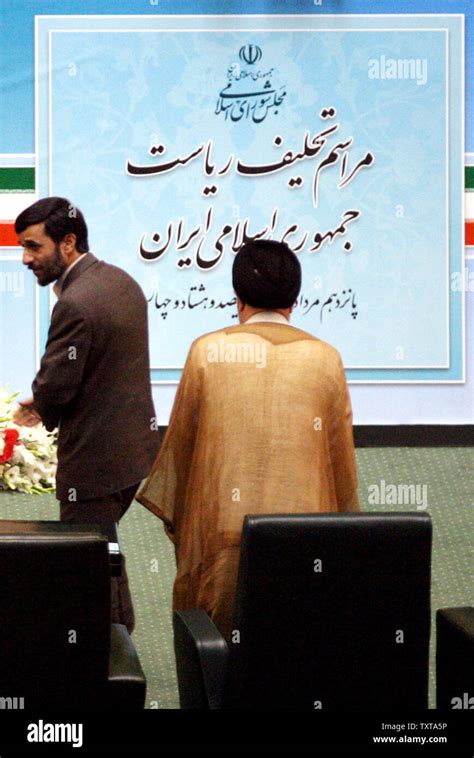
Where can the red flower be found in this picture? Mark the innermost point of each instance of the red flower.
(11, 438)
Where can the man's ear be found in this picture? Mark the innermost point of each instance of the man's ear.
(240, 304)
(68, 243)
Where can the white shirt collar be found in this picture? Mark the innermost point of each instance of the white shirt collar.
(272, 316)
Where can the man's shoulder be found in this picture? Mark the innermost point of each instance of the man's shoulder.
(275, 333)
(104, 270)
(99, 277)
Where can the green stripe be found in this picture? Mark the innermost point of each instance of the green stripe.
(17, 179)
(469, 177)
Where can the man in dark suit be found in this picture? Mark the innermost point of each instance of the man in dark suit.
(94, 380)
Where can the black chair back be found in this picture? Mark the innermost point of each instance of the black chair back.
(332, 611)
(54, 613)
(455, 658)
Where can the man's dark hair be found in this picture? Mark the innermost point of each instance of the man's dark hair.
(266, 274)
(60, 217)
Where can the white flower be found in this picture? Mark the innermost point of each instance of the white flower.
(32, 465)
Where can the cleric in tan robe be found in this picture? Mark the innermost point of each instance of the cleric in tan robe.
(262, 423)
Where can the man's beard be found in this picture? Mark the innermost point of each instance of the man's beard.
(52, 269)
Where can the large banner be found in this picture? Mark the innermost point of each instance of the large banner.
(182, 137)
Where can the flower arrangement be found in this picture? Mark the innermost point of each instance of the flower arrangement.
(28, 458)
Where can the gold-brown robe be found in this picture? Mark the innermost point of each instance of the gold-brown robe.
(262, 423)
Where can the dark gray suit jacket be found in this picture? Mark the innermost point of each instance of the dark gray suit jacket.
(94, 381)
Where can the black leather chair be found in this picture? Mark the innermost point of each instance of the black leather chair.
(350, 633)
(58, 649)
(455, 658)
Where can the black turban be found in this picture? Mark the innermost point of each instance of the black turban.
(266, 274)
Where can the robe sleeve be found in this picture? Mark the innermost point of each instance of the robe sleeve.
(341, 444)
(164, 491)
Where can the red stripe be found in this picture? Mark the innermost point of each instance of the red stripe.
(469, 232)
(8, 235)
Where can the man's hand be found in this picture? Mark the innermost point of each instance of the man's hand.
(25, 414)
